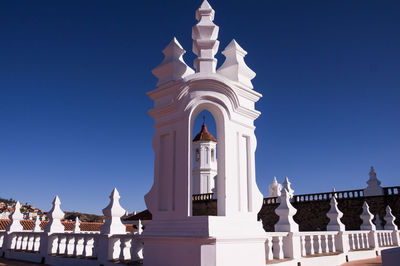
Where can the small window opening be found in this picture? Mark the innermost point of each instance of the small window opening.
(197, 154)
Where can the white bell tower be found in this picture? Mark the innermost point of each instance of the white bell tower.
(174, 236)
(204, 171)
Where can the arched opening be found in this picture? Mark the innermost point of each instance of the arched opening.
(204, 165)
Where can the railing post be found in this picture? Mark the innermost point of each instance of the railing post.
(10, 238)
(342, 242)
(48, 241)
(390, 225)
(108, 245)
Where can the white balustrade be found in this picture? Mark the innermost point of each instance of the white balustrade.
(385, 238)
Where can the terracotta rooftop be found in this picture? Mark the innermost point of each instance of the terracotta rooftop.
(143, 215)
(204, 135)
(68, 225)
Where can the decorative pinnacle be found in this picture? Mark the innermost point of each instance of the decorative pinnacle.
(77, 224)
(366, 216)
(16, 217)
(286, 211)
(205, 43)
(55, 216)
(389, 219)
(37, 227)
(372, 178)
(334, 215)
(234, 66)
(173, 67)
(113, 213)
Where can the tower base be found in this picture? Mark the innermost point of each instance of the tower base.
(191, 242)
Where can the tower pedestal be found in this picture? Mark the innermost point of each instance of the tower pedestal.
(204, 241)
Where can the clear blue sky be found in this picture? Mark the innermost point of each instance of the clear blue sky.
(74, 77)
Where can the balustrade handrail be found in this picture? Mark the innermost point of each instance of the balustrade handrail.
(201, 197)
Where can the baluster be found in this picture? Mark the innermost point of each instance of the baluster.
(362, 240)
(127, 249)
(318, 249)
(13, 242)
(36, 245)
(356, 241)
(278, 247)
(303, 246)
(24, 242)
(390, 240)
(326, 244)
(379, 239)
(333, 243)
(53, 247)
(268, 248)
(384, 242)
(31, 240)
(79, 246)
(95, 246)
(19, 242)
(114, 252)
(312, 251)
(62, 245)
(351, 241)
(71, 245)
(366, 240)
(89, 241)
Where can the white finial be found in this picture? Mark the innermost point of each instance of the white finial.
(389, 219)
(366, 216)
(275, 188)
(205, 43)
(378, 222)
(334, 215)
(173, 67)
(16, 218)
(37, 227)
(77, 224)
(113, 213)
(139, 227)
(234, 66)
(286, 211)
(374, 185)
(287, 186)
(55, 215)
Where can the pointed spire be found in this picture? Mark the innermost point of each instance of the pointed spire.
(16, 218)
(205, 43)
(287, 186)
(204, 135)
(77, 224)
(389, 219)
(378, 222)
(374, 185)
(334, 215)
(113, 213)
(55, 215)
(37, 227)
(275, 188)
(173, 67)
(234, 66)
(366, 216)
(286, 211)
